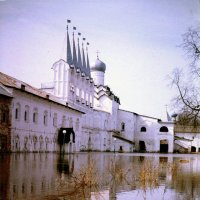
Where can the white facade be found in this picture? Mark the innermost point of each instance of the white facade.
(77, 98)
(36, 118)
(186, 139)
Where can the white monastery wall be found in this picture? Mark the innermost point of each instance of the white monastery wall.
(127, 124)
(37, 131)
(148, 132)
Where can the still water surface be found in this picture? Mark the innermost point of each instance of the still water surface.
(94, 176)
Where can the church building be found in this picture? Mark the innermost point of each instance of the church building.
(75, 112)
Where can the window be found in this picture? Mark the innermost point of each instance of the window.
(26, 114)
(17, 111)
(91, 101)
(77, 94)
(45, 119)
(64, 121)
(82, 97)
(55, 120)
(35, 115)
(143, 129)
(123, 126)
(4, 114)
(70, 122)
(163, 129)
(87, 99)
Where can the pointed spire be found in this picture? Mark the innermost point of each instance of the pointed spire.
(168, 117)
(74, 52)
(88, 63)
(69, 53)
(79, 56)
(83, 56)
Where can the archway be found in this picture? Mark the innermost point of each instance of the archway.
(142, 146)
(64, 137)
(164, 146)
(193, 149)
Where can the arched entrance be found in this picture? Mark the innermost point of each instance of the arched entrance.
(142, 146)
(164, 146)
(193, 149)
(66, 136)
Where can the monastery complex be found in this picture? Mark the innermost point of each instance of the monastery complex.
(78, 112)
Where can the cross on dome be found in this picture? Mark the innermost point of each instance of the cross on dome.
(98, 54)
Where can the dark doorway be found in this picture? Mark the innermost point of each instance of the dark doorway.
(3, 143)
(163, 146)
(64, 137)
(193, 149)
(142, 146)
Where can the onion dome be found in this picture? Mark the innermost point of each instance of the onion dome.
(98, 66)
(174, 115)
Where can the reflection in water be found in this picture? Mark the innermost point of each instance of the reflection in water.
(65, 164)
(108, 176)
(4, 176)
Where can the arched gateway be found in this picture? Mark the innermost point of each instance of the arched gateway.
(163, 146)
(66, 136)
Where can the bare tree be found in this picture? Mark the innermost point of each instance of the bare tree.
(187, 81)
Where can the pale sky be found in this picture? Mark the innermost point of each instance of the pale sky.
(138, 41)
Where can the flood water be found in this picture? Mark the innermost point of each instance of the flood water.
(94, 176)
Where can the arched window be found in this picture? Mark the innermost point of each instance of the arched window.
(163, 129)
(45, 119)
(143, 129)
(35, 115)
(26, 114)
(4, 114)
(17, 111)
(64, 121)
(26, 143)
(106, 124)
(122, 126)
(41, 142)
(70, 122)
(55, 119)
(82, 96)
(77, 94)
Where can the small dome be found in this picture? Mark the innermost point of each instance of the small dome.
(174, 115)
(98, 66)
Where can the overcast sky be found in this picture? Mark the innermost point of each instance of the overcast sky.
(138, 41)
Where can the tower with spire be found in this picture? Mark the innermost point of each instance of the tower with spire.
(72, 79)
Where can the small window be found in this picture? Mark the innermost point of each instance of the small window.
(123, 126)
(70, 122)
(163, 129)
(4, 115)
(55, 120)
(143, 129)
(35, 115)
(26, 114)
(45, 119)
(64, 121)
(17, 111)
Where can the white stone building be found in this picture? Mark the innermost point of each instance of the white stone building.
(77, 98)
(186, 138)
